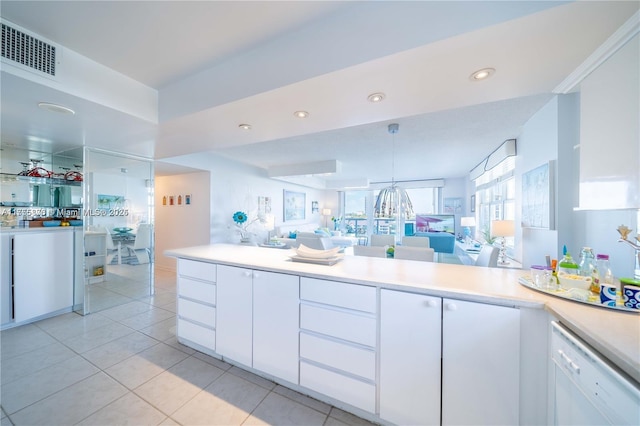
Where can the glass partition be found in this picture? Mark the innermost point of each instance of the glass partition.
(118, 255)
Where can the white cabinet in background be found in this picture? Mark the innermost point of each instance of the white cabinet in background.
(338, 341)
(258, 320)
(197, 304)
(480, 363)
(610, 132)
(410, 351)
(6, 292)
(42, 273)
(463, 352)
(276, 305)
(235, 314)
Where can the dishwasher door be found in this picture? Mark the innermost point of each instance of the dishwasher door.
(587, 390)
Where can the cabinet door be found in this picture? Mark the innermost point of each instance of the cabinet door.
(234, 314)
(410, 358)
(43, 273)
(480, 363)
(275, 324)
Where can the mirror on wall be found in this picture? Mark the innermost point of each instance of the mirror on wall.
(118, 231)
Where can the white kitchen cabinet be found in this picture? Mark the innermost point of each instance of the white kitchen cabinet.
(437, 353)
(410, 351)
(42, 273)
(610, 132)
(480, 363)
(196, 313)
(6, 291)
(257, 320)
(276, 303)
(338, 341)
(234, 331)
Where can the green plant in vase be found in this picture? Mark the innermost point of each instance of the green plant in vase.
(488, 238)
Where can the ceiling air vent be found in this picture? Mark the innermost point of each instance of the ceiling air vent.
(28, 51)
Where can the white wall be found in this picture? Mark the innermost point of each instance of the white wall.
(553, 133)
(537, 145)
(236, 187)
(181, 225)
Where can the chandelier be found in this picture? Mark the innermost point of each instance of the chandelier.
(393, 201)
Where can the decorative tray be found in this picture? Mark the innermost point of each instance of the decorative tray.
(578, 295)
(273, 245)
(328, 261)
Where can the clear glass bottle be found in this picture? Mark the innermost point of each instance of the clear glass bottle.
(602, 262)
(567, 265)
(587, 262)
(588, 268)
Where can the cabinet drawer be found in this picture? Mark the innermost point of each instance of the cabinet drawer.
(197, 290)
(358, 361)
(351, 296)
(345, 389)
(197, 334)
(197, 312)
(354, 327)
(200, 270)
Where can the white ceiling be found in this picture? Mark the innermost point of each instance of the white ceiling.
(218, 64)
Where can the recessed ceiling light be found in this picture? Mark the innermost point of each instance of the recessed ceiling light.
(482, 74)
(301, 114)
(245, 126)
(56, 108)
(376, 97)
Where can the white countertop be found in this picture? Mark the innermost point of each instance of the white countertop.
(614, 334)
(16, 230)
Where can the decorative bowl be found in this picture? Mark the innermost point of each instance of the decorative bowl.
(49, 223)
(308, 252)
(568, 281)
(123, 230)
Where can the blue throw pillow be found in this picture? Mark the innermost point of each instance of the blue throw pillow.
(322, 232)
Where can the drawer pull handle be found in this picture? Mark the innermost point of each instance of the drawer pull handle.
(247, 273)
(431, 303)
(256, 275)
(452, 307)
(574, 367)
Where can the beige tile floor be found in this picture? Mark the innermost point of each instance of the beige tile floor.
(122, 365)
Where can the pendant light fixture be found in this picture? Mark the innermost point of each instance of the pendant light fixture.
(393, 202)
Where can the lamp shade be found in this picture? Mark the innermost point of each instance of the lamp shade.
(269, 222)
(468, 221)
(326, 212)
(503, 228)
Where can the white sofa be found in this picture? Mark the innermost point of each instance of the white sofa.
(283, 231)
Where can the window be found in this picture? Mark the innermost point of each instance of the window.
(495, 192)
(358, 210)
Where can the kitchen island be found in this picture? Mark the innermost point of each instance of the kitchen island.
(368, 334)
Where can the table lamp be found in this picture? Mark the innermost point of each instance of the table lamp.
(326, 213)
(503, 229)
(269, 225)
(467, 222)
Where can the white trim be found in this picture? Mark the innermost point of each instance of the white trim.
(618, 39)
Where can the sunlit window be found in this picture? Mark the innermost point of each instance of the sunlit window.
(357, 217)
(495, 195)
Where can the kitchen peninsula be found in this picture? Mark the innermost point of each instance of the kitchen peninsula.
(394, 341)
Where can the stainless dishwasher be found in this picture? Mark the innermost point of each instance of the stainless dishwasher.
(588, 391)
